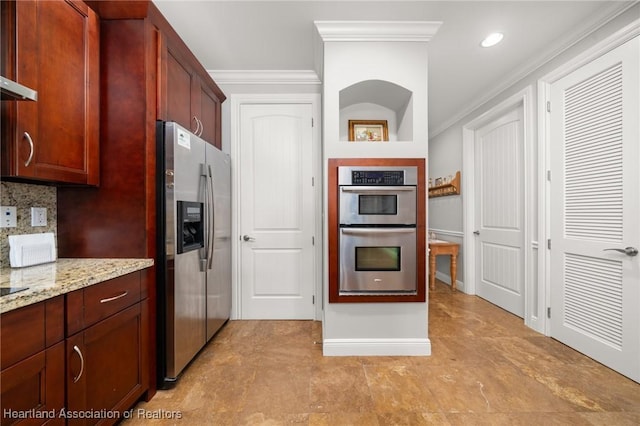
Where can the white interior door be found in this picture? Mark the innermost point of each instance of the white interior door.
(595, 206)
(499, 210)
(277, 212)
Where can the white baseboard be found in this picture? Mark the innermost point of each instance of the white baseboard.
(447, 280)
(376, 347)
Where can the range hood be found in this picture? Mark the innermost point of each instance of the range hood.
(12, 91)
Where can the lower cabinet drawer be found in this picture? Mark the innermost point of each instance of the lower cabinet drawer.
(31, 329)
(90, 305)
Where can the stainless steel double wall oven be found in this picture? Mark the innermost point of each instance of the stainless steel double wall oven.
(377, 230)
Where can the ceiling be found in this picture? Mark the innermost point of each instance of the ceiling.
(278, 35)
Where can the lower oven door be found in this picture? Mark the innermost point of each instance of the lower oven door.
(377, 260)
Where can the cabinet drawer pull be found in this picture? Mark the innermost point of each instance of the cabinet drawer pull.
(111, 299)
(79, 352)
(28, 137)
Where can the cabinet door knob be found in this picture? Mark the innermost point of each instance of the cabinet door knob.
(77, 350)
(28, 137)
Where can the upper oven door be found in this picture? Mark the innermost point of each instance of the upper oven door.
(377, 205)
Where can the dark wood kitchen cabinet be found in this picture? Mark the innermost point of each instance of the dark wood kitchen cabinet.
(32, 363)
(189, 100)
(210, 113)
(53, 47)
(140, 84)
(106, 348)
(101, 365)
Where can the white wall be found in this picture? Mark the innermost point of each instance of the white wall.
(373, 328)
(347, 63)
(445, 158)
(445, 213)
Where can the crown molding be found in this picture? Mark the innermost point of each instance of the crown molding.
(412, 31)
(303, 77)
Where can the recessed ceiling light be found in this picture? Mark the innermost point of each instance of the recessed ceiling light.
(492, 39)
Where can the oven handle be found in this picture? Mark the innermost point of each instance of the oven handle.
(377, 188)
(360, 231)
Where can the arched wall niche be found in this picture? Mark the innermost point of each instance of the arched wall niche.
(377, 100)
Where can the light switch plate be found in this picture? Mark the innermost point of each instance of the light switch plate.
(8, 217)
(38, 216)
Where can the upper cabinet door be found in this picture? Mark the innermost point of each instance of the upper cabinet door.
(179, 83)
(55, 47)
(189, 97)
(210, 111)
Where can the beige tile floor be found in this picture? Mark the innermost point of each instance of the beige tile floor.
(486, 368)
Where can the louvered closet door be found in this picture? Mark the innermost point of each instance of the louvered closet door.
(595, 163)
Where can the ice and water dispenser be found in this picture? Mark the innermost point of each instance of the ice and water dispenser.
(190, 226)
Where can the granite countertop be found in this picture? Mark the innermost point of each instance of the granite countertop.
(63, 276)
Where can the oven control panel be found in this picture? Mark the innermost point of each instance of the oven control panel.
(377, 177)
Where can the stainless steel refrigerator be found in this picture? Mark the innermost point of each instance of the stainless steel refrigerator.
(194, 246)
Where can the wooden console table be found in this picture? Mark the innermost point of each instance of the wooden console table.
(440, 247)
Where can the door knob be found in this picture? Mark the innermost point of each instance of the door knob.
(248, 238)
(629, 251)
(476, 232)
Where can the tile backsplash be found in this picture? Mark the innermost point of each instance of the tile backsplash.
(24, 196)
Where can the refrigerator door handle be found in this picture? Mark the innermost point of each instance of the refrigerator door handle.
(212, 228)
(204, 252)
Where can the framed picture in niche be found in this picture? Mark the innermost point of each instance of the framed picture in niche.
(368, 131)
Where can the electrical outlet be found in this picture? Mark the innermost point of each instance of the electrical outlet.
(8, 217)
(38, 216)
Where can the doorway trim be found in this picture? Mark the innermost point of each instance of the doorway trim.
(237, 101)
(544, 146)
(532, 310)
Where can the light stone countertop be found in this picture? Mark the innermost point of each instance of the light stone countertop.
(63, 276)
